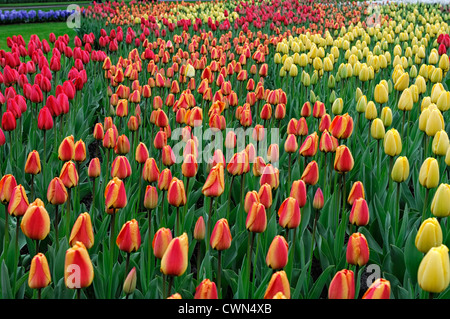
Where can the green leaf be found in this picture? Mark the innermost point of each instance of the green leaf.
(317, 288)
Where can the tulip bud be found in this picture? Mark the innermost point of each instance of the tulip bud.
(400, 170)
(7, 185)
(141, 153)
(289, 213)
(429, 173)
(298, 191)
(392, 143)
(35, 223)
(357, 250)
(174, 262)
(357, 191)
(277, 255)
(278, 283)
(150, 171)
(161, 240)
(176, 195)
(318, 200)
(18, 203)
(207, 289)
(39, 276)
(386, 116)
(434, 270)
(215, 183)
(82, 231)
(120, 167)
(381, 94)
(379, 289)
(69, 174)
(199, 229)
(79, 151)
(66, 149)
(342, 285)
(94, 169)
(429, 235)
(150, 197)
(359, 215)
(115, 195)
(377, 129)
(440, 206)
(78, 269)
(33, 163)
(221, 235)
(440, 143)
(256, 218)
(129, 238)
(343, 161)
(129, 284)
(56, 192)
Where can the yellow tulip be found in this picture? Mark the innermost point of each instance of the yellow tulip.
(434, 270)
(440, 206)
(429, 235)
(429, 173)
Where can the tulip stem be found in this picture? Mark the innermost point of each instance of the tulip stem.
(229, 197)
(219, 273)
(378, 158)
(343, 194)
(312, 241)
(251, 238)
(6, 241)
(425, 204)
(56, 227)
(397, 218)
(403, 123)
(68, 212)
(149, 248)
(127, 263)
(178, 222)
(32, 188)
(169, 288)
(209, 222)
(16, 252)
(198, 259)
(289, 170)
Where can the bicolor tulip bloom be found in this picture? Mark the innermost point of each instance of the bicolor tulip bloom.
(78, 268)
(174, 262)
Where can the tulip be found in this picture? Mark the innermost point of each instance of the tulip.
(151, 197)
(66, 149)
(270, 176)
(277, 255)
(310, 174)
(122, 145)
(357, 250)
(150, 171)
(207, 289)
(174, 262)
(440, 143)
(120, 167)
(79, 151)
(36, 221)
(278, 283)
(129, 239)
(115, 195)
(265, 195)
(359, 215)
(256, 218)
(429, 235)
(82, 231)
(78, 269)
(342, 285)
(289, 213)
(18, 203)
(161, 241)
(379, 289)
(440, 206)
(298, 191)
(214, 184)
(69, 174)
(343, 161)
(129, 284)
(400, 170)
(434, 270)
(357, 191)
(428, 178)
(39, 276)
(7, 185)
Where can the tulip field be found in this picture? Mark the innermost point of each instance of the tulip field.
(263, 149)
